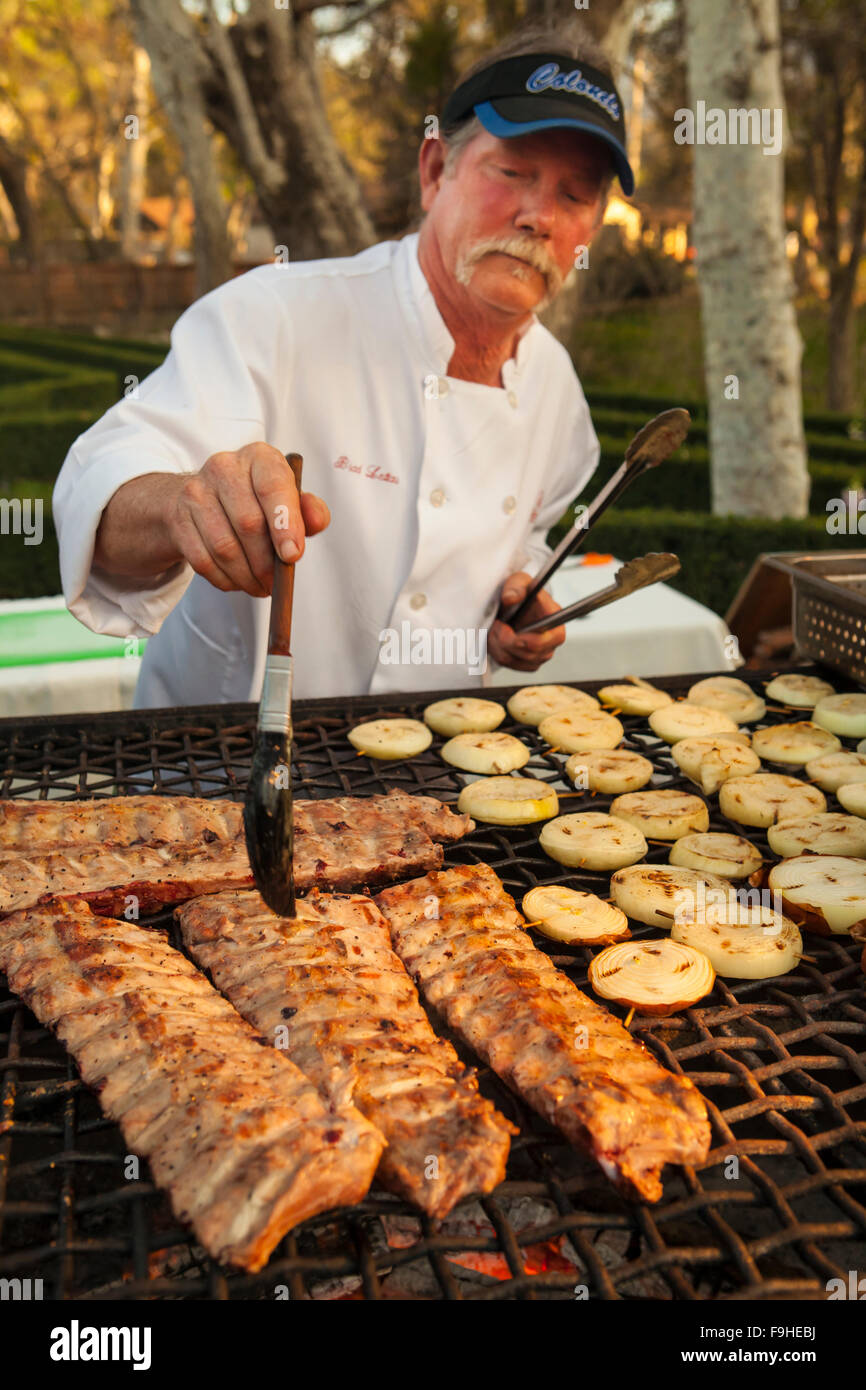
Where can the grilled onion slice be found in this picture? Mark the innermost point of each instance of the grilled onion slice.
(592, 840)
(731, 696)
(743, 942)
(824, 892)
(508, 800)
(485, 753)
(794, 743)
(731, 856)
(803, 692)
(852, 795)
(567, 914)
(713, 759)
(685, 720)
(842, 714)
(766, 797)
(391, 738)
(664, 814)
(834, 770)
(535, 702)
(826, 833)
(609, 770)
(655, 893)
(657, 977)
(579, 730)
(634, 699)
(464, 715)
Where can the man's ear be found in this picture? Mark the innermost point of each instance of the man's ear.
(431, 165)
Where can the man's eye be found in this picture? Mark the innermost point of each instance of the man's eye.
(509, 173)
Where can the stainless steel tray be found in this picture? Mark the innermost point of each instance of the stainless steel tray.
(828, 611)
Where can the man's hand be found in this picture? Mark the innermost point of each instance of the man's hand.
(524, 652)
(225, 521)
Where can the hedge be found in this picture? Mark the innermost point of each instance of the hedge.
(682, 483)
(30, 571)
(716, 552)
(624, 399)
(621, 425)
(73, 349)
(35, 445)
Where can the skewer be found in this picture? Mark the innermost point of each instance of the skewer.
(628, 1018)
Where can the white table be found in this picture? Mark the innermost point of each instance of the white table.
(655, 632)
(93, 684)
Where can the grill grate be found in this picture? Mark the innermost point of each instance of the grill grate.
(778, 1209)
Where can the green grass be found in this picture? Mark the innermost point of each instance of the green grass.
(655, 348)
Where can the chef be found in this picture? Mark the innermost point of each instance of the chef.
(443, 428)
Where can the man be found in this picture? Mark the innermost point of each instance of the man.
(444, 425)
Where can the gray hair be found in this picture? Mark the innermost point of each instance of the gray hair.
(572, 41)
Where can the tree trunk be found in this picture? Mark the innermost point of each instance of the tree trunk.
(169, 35)
(263, 93)
(135, 162)
(841, 346)
(752, 346)
(13, 176)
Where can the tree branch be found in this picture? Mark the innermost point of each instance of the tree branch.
(265, 170)
(353, 23)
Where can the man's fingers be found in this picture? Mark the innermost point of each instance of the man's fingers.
(316, 513)
(196, 553)
(248, 523)
(225, 549)
(274, 486)
(514, 588)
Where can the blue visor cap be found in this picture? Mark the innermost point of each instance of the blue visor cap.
(542, 91)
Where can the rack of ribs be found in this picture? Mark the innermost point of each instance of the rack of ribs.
(242, 1141)
(155, 851)
(328, 986)
(569, 1058)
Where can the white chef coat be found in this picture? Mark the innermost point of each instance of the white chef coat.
(438, 488)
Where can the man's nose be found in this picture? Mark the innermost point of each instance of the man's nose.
(538, 214)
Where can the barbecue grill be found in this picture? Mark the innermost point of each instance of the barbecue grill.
(778, 1209)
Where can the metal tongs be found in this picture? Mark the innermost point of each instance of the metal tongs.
(651, 446)
(633, 575)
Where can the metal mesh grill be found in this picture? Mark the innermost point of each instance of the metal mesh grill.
(777, 1210)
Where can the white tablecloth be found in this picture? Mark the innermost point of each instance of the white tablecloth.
(655, 632)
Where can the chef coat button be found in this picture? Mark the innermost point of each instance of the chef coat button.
(512, 399)
(444, 388)
(417, 601)
(437, 497)
(509, 505)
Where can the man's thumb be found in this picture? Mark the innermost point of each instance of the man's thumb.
(514, 589)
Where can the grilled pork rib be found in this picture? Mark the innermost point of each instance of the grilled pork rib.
(105, 877)
(241, 1140)
(109, 850)
(566, 1055)
(118, 821)
(328, 983)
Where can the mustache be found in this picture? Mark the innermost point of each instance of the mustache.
(523, 248)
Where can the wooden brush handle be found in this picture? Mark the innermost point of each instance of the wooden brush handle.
(280, 632)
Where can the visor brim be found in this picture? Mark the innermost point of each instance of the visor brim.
(497, 124)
